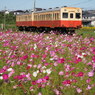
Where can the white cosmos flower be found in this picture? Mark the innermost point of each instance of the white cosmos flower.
(1, 77)
(34, 74)
(37, 71)
(43, 67)
(83, 53)
(10, 69)
(48, 71)
(44, 71)
(51, 59)
(47, 37)
(80, 56)
(35, 46)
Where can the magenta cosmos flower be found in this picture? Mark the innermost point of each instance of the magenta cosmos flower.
(5, 76)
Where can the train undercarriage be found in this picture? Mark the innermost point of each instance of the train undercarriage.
(57, 30)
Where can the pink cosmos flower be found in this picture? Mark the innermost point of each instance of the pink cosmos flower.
(61, 60)
(61, 73)
(39, 93)
(65, 82)
(89, 63)
(13, 56)
(39, 66)
(34, 56)
(28, 76)
(2, 70)
(11, 73)
(28, 67)
(31, 88)
(44, 80)
(80, 74)
(44, 56)
(91, 74)
(88, 87)
(40, 85)
(20, 77)
(57, 92)
(5, 76)
(46, 64)
(67, 68)
(46, 77)
(15, 86)
(88, 80)
(24, 57)
(93, 65)
(93, 58)
(39, 80)
(74, 80)
(73, 74)
(14, 47)
(43, 85)
(33, 82)
(18, 62)
(55, 64)
(52, 53)
(78, 60)
(79, 90)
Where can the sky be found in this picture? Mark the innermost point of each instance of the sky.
(28, 4)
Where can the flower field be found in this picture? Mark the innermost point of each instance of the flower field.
(46, 64)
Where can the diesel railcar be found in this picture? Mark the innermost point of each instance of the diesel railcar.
(64, 18)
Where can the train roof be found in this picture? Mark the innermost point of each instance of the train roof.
(48, 10)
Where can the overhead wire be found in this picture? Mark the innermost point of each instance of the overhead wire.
(86, 1)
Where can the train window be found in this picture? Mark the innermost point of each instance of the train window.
(50, 16)
(53, 16)
(34, 17)
(19, 18)
(29, 17)
(57, 16)
(40, 17)
(78, 15)
(25, 18)
(65, 15)
(71, 15)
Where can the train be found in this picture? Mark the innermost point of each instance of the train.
(60, 19)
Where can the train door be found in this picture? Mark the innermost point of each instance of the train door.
(71, 19)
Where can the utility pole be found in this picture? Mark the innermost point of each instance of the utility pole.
(4, 19)
(34, 5)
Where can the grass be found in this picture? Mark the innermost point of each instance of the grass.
(86, 31)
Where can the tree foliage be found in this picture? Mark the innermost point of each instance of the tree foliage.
(9, 18)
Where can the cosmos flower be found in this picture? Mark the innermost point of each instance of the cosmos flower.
(10, 69)
(79, 90)
(1, 77)
(5, 76)
(35, 74)
(61, 73)
(80, 74)
(91, 74)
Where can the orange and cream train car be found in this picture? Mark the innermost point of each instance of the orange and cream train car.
(59, 18)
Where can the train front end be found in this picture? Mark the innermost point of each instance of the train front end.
(71, 17)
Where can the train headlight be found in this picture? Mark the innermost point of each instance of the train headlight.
(78, 10)
(65, 10)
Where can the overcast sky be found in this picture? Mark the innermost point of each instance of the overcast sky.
(28, 4)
